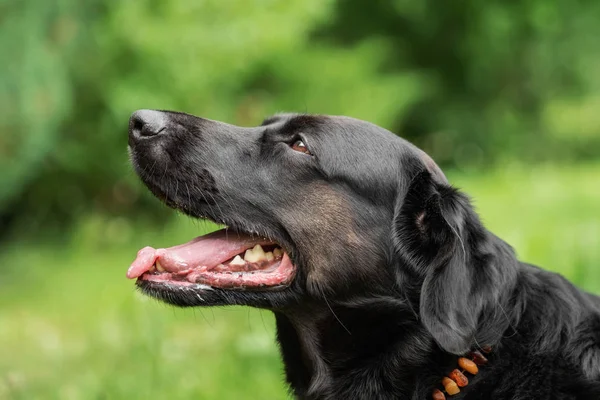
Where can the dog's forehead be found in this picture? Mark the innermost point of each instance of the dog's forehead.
(331, 125)
(273, 119)
(282, 118)
(295, 121)
(355, 132)
(340, 140)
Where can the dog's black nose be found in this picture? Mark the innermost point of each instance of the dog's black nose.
(144, 124)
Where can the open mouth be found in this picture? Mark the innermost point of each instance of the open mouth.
(222, 259)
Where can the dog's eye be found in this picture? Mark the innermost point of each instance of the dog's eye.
(299, 145)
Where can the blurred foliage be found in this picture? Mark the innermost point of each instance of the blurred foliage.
(474, 83)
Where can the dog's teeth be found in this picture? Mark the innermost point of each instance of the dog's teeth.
(259, 252)
(159, 267)
(277, 252)
(237, 260)
(269, 256)
(255, 254)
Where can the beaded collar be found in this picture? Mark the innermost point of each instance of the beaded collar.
(457, 379)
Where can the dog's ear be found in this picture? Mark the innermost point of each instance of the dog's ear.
(457, 262)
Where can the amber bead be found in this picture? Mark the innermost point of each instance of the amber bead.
(478, 358)
(438, 395)
(468, 365)
(459, 378)
(450, 386)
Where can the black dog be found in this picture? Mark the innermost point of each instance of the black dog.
(379, 273)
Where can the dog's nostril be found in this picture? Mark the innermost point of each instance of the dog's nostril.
(146, 123)
(137, 126)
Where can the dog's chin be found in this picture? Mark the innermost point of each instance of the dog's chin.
(203, 295)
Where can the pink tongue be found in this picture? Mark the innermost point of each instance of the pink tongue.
(206, 251)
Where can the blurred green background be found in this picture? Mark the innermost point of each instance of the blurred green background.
(504, 95)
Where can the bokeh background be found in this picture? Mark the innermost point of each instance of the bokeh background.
(505, 95)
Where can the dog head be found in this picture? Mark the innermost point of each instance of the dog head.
(317, 208)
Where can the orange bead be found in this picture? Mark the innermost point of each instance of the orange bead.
(459, 378)
(438, 395)
(478, 358)
(450, 386)
(468, 365)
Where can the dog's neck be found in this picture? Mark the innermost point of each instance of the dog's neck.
(343, 343)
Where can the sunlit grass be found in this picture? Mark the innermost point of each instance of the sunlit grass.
(550, 215)
(72, 327)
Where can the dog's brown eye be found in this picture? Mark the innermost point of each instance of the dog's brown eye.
(300, 146)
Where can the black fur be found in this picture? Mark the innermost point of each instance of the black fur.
(396, 274)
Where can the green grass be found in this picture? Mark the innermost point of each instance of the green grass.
(72, 327)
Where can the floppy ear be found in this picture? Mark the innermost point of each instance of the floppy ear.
(464, 271)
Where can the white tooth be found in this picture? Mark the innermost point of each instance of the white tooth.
(237, 260)
(255, 254)
(159, 267)
(277, 252)
(258, 250)
(269, 256)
